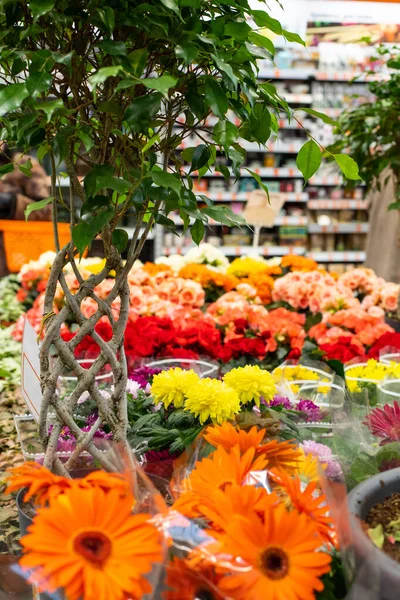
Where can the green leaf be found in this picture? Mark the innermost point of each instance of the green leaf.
(18, 66)
(83, 233)
(161, 84)
(309, 159)
(293, 37)
(197, 231)
(262, 19)
(110, 107)
(103, 74)
(107, 17)
(201, 156)
(150, 143)
(225, 133)
(394, 205)
(125, 84)
(377, 535)
(49, 107)
(40, 7)
(7, 168)
(348, 166)
(38, 82)
(94, 203)
(259, 181)
(97, 179)
(224, 170)
(188, 52)
(138, 60)
(11, 97)
(260, 123)
(26, 168)
(120, 239)
(171, 5)
(225, 68)
(216, 97)
(196, 103)
(85, 139)
(166, 180)
(113, 48)
(320, 115)
(262, 41)
(141, 111)
(224, 215)
(239, 31)
(37, 206)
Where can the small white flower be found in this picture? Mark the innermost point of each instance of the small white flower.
(132, 387)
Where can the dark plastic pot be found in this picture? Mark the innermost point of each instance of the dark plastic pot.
(24, 522)
(360, 500)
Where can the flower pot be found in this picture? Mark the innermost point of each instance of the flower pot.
(360, 500)
(11, 582)
(25, 519)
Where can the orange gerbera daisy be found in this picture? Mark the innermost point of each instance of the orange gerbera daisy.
(276, 557)
(187, 583)
(307, 502)
(106, 481)
(228, 436)
(222, 506)
(218, 471)
(89, 543)
(280, 454)
(41, 483)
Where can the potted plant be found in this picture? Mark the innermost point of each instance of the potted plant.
(107, 84)
(371, 524)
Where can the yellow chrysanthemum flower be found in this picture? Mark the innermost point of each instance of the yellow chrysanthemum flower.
(372, 371)
(242, 267)
(172, 386)
(212, 399)
(295, 373)
(308, 468)
(251, 382)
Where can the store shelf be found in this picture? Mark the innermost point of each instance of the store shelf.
(339, 204)
(267, 172)
(244, 196)
(243, 250)
(290, 74)
(279, 221)
(277, 148)
(339, 228)
(298, 98)
(341, 257)
(357, 76)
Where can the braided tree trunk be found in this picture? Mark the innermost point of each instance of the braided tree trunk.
(111, 411)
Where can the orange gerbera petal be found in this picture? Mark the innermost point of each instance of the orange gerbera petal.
(222, 506)
(280, 454)
(217, 471)
(307, 502)
(186, 583)
(227, 436)
(275, 557)
(39, 481)
(74, 544)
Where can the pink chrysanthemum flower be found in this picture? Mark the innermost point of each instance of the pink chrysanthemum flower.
(385, 422)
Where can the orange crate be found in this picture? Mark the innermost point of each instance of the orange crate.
(25, 241)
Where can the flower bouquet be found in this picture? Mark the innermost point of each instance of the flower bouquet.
(249, 520)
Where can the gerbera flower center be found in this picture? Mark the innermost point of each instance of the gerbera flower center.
(95, 546)
(275, 563)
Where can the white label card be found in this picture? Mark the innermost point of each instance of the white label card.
(30, 371)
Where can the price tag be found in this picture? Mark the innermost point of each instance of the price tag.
(259, 211)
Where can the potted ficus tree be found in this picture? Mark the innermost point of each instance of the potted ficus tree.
(106, 82)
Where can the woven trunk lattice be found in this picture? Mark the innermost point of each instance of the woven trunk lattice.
(111, 411)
